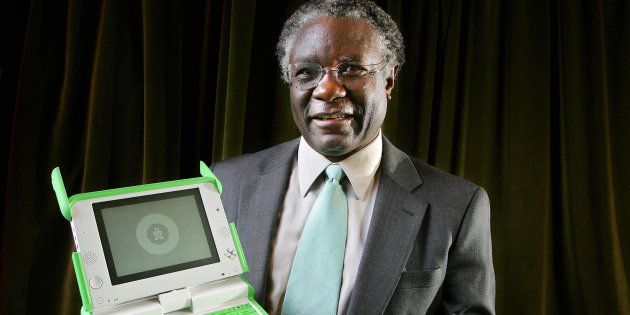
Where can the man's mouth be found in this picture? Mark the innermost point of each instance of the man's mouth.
(332, 116)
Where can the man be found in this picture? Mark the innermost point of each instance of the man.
(339, 220)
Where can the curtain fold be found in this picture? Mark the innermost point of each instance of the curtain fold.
(528, 98)
(230, 111)
(162, 31)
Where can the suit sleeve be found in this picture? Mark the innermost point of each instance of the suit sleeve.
(469, 284)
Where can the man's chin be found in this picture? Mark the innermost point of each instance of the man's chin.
(333, 147)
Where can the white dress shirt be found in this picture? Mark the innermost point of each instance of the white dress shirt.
(360, 185)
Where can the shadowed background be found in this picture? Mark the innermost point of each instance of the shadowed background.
(528, 98)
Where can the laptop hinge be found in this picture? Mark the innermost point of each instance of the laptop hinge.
(221, 294)
(175, 300)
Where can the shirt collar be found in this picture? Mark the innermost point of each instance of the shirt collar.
(360, 167)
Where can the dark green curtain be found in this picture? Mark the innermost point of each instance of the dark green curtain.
(528, 98)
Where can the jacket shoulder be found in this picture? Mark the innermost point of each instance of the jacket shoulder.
(233, 171)
(259, 162)
(440, 187)
(433, 175)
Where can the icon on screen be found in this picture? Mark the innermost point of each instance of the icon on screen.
(157, 234)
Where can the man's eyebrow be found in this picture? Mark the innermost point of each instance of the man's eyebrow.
(307, 59)
(349, 58)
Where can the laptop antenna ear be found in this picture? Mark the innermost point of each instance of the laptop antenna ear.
(207, 173)
(60, 192)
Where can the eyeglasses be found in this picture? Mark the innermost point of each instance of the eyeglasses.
(307, 75)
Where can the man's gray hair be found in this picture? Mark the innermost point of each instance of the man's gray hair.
(390, 39)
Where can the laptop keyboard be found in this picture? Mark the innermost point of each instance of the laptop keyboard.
(245, 309)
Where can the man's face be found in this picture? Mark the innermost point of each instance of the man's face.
(339, 117)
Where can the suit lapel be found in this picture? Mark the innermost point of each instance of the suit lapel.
(259, 204)
(396, 219)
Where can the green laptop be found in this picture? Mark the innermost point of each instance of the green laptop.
(162, 248)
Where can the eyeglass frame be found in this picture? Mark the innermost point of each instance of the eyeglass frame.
(339, 77)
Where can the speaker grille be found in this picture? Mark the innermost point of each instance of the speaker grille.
(89, 258)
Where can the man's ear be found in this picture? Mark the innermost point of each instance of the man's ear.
(391, 77)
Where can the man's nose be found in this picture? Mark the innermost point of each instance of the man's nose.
(329, 88)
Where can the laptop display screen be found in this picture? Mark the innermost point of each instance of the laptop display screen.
(151, 235)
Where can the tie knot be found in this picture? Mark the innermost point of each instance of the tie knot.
(334, 171)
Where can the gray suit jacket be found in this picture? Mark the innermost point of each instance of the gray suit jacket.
(428, 248)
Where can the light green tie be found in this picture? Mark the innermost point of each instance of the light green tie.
(315, 279)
